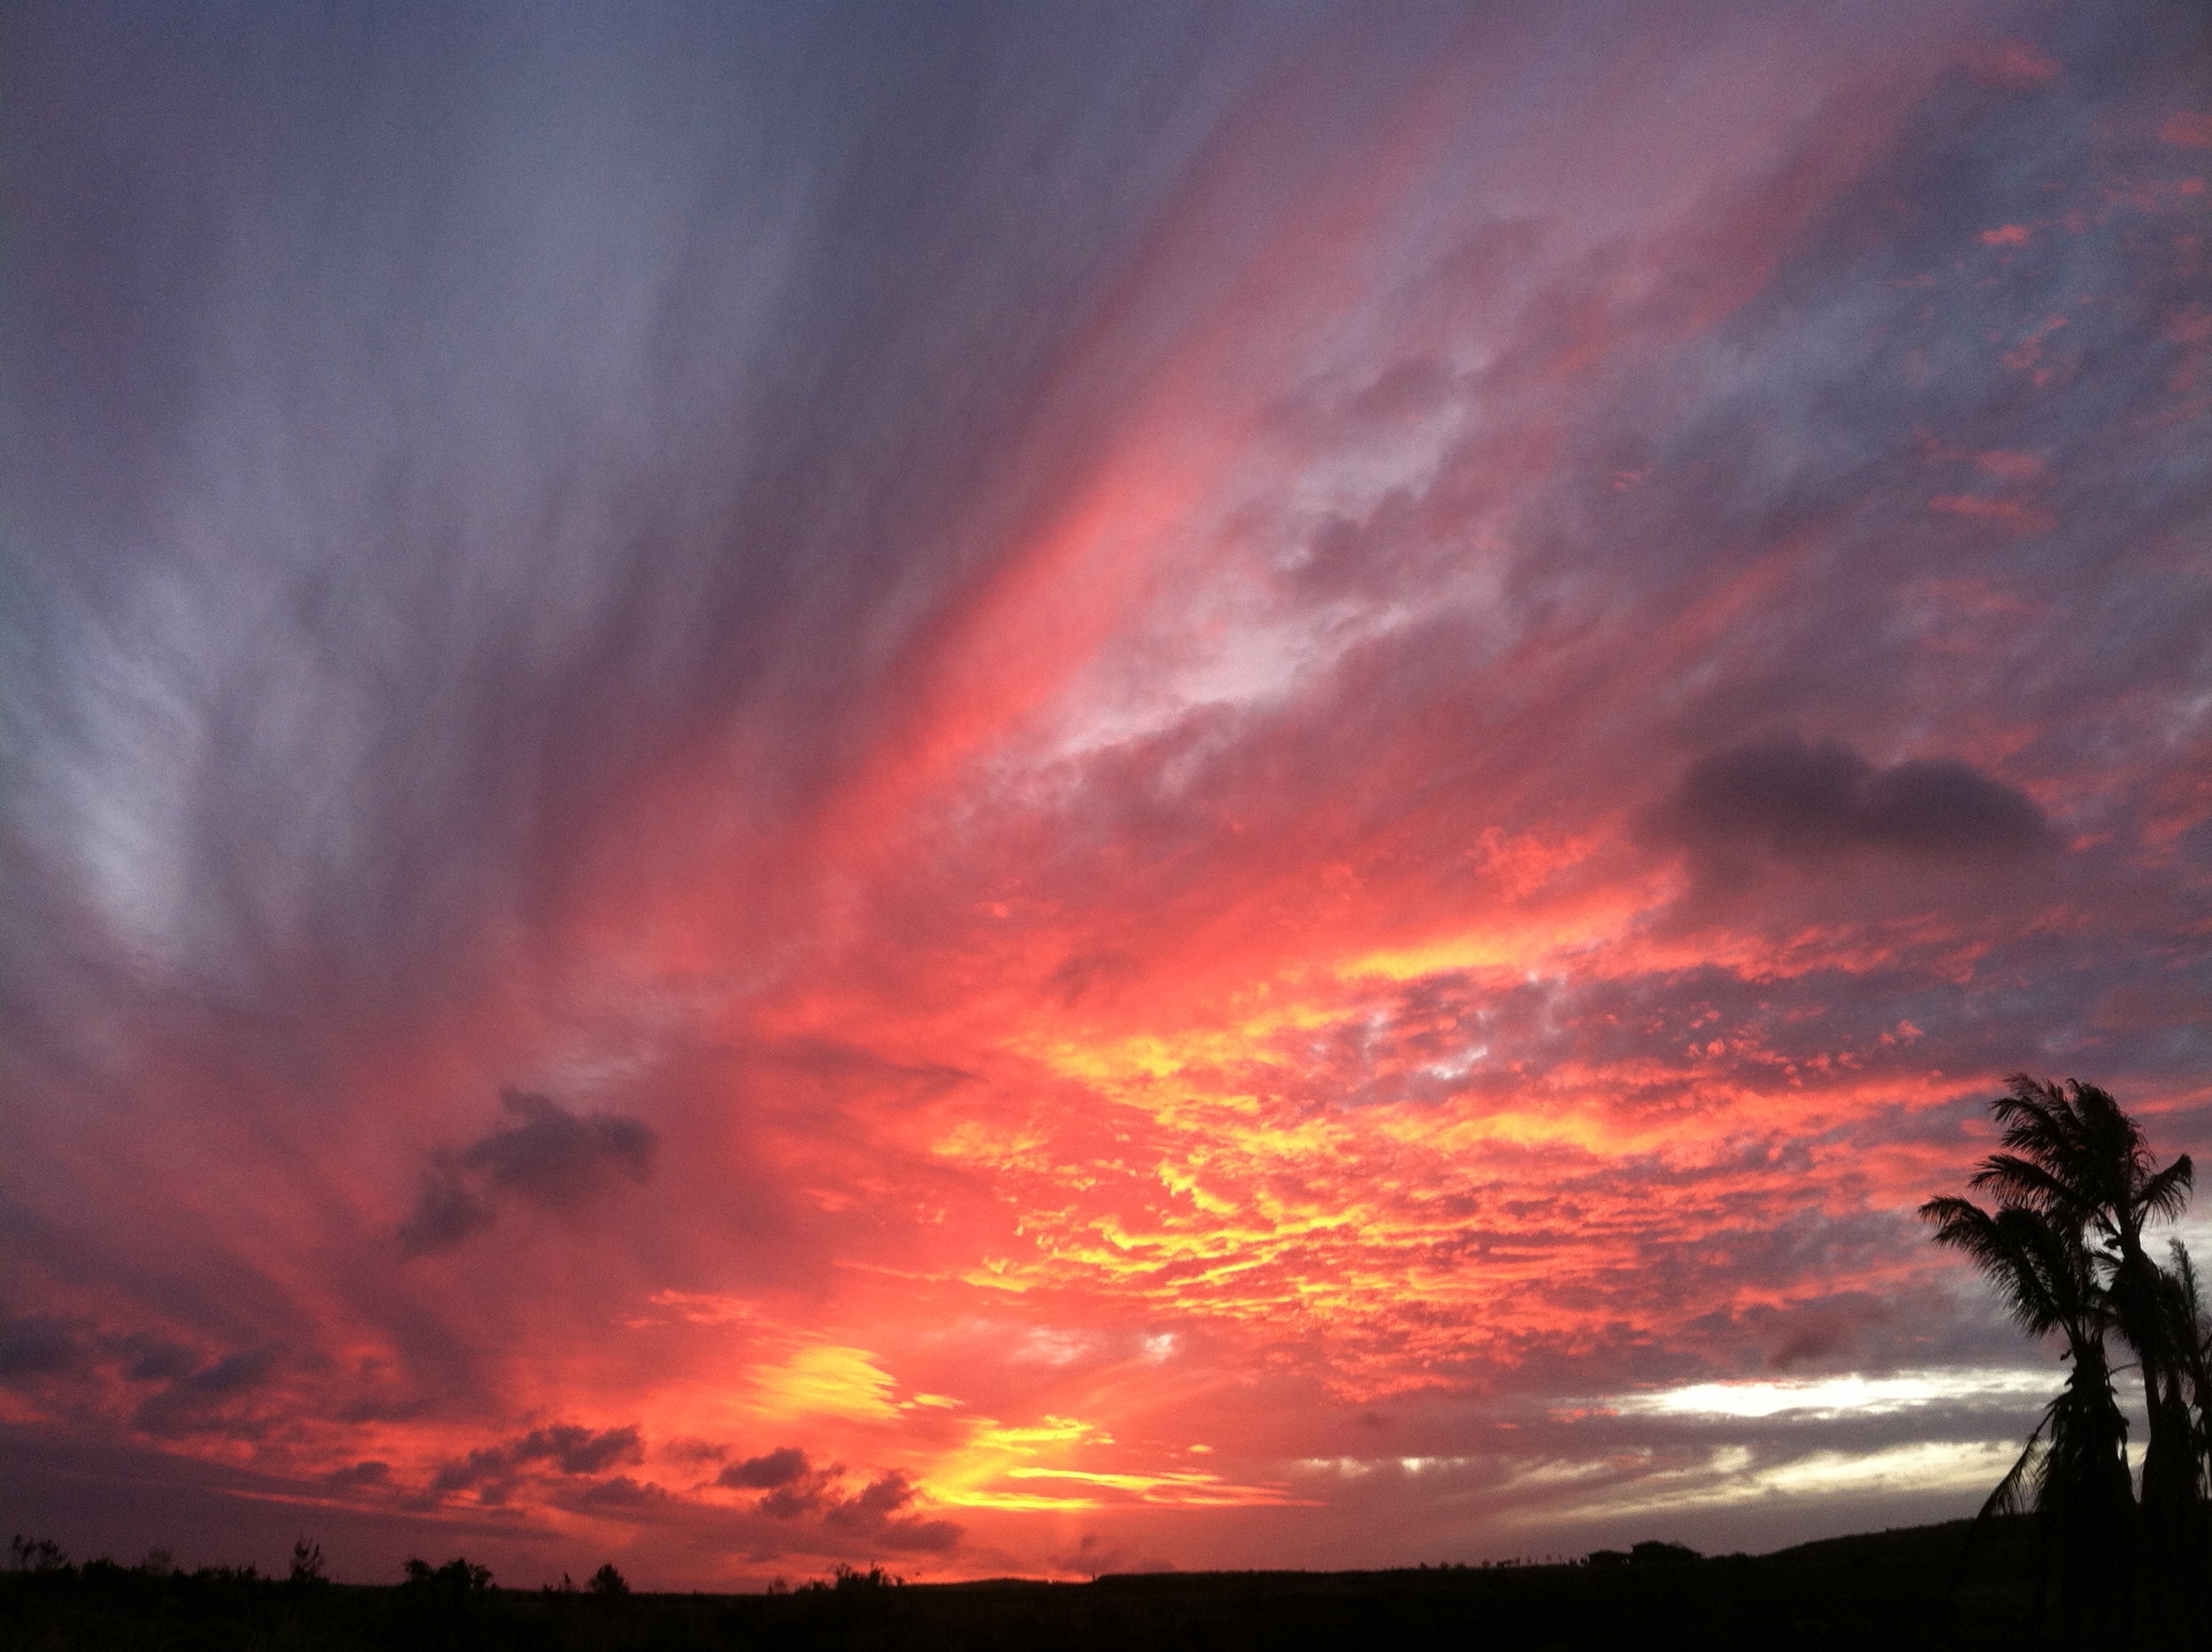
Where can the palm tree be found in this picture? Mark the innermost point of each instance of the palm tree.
(2073, 1473)
(2072, 1154)
(2191, 1332)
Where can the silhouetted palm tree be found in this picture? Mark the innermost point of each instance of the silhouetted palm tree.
(2192, 1323)
(2191, 1334)
(2073, 1473)
(2071, 1153)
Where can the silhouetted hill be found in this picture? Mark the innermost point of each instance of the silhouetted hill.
(1887, 1589)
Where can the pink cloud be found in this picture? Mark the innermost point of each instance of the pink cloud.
(2009, 514)
(2010, 466)
(2187, 129)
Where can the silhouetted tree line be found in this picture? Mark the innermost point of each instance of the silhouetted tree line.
(2074, 1186)
(102, 1605)
(1885, 1589)
(1645, 1554)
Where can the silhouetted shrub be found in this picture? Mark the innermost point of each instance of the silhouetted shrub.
(39, 1554)
(457, 1577)
(307, 1566)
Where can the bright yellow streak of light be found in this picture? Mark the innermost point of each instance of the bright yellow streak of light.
(825, 1380)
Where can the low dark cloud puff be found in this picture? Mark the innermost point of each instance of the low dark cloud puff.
(766, 1471)
(795, 1487)
(1806, 804)
(873, 1513)
(798, 1490)
(210, 1399)
(554, 1160)
(155, 1359)
(36, 1345)
(566, 1448)
(622, 1491)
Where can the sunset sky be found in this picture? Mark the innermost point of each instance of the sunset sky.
(1042, 788)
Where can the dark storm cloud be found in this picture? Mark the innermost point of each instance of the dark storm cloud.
(1806, 803)
(553, 1159)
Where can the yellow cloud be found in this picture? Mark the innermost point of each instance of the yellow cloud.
(825, 1380)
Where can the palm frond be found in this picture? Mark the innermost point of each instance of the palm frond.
(2015, 1493)
(2190, 1291)
(2036, 1119)
(2102, 1119)
(2167, 1193)
(2019, 1180)
(2017, 1251)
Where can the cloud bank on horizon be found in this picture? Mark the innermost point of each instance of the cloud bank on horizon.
(1050, 789)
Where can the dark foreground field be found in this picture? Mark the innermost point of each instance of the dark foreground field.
(1890, 1590)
